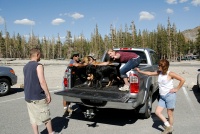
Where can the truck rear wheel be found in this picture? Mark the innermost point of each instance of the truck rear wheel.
(148, 107)
(198, 81)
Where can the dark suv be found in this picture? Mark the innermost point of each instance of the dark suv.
(7, 79)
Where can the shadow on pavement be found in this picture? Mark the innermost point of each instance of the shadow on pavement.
(156, 122)
(14, 91)
(107, 116)
(58, 124)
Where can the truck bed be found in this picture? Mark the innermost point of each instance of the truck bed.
(110, 93)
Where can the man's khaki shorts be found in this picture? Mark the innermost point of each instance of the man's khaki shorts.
(38, 111)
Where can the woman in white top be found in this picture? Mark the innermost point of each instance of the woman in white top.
(167, 92)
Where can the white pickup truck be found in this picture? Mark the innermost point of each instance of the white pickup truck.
(138, 98)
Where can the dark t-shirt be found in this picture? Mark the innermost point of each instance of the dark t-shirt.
(32, 87)
(126, 56)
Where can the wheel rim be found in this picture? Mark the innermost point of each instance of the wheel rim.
(3, 87)
(149, 104)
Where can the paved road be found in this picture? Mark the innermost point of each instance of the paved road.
(14, 117)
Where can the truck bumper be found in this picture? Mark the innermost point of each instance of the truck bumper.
(14, 79)
(129, 105)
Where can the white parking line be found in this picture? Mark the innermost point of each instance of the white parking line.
(190, 102)
(23, 97)
(11, 100)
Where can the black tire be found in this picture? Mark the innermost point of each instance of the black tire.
(198, 81)
(148, 107)
(4, 86)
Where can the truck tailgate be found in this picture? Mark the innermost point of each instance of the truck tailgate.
(106, 94)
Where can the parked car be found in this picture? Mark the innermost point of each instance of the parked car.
(198, 79)
(7, 79)
(185, 58)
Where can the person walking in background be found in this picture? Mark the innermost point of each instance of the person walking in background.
(167, 92)
(36, 92)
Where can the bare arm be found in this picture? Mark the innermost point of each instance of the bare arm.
(179, 78)
(79, 65)
(40, 73)
(147, 72)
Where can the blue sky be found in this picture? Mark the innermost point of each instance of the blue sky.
(52, 17)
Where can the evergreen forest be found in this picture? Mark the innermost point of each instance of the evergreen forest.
(167, 41)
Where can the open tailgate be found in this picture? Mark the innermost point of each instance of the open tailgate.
(105, 94)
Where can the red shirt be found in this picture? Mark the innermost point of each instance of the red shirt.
(126, 56)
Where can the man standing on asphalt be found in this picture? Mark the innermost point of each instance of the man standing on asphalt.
(37, 95)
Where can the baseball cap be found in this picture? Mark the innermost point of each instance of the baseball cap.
(74, 54)
(92, 55)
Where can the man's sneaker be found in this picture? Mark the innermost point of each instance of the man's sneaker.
(167, 130)
(164, 126)
(124, 88)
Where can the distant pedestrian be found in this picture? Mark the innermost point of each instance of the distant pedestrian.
(167, 92)
(37, 95)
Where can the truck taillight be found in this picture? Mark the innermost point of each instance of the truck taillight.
(134, 83)
(65, 81)
(125, 48)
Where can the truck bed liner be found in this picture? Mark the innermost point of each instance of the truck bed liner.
(105, 94)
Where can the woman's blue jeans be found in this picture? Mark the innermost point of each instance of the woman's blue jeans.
(132, 63)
